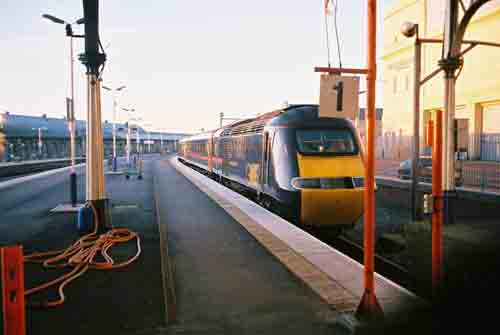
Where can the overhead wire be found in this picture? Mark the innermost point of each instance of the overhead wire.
(326, 32)
(334, 28)
(335, 8)
(81, 256)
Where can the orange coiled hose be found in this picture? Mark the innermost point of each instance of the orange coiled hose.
(81, 256)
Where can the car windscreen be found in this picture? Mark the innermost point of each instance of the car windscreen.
(326, 141)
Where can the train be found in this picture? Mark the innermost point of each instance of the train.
(306, 168)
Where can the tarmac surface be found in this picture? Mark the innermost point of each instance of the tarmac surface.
(226, 282)
(120, 301)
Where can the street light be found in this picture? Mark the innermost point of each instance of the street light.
(40, 144)
(410, 29)
(70, 102)
(114, 119)
(149, 136)
(130, 111)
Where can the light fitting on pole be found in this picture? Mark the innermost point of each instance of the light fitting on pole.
(54, 19)
(409, 29)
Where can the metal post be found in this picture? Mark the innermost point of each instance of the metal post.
(72, 125)
(369, 307)
(40, 142)
(149, 142)
(437, 193)
(12, 290)
(114, 131)
(95, 155)
(449, 147)
(128, 144)
(416, 128)
(137, 139)
(93, 59)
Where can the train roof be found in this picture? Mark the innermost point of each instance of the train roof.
(291, 116)
(27, 127)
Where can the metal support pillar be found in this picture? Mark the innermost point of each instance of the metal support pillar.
(13, 301)
(449, 66)
(93, 59)
(415, 215)
(437, 194)
(96, 192)
(114, 132)
(369, 308)
(128, 145)
(72, 129)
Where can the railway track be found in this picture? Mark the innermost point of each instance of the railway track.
(383, 266)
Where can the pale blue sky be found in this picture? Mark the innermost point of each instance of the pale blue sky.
(183, 61)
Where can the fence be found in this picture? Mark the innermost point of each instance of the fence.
(490, 147)
(479, 162)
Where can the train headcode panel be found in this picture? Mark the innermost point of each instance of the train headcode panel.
(339, 96)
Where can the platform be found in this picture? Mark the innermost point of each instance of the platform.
(336, 278)
(224, 264)
(240, 268)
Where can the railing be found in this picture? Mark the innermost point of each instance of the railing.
(482, 175)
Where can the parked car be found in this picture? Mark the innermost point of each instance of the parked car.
(425, 170)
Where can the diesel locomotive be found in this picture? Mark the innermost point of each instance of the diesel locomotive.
(306, 168)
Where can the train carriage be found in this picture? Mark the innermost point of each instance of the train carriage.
(306, 168)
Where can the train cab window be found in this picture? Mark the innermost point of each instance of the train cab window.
(326, 141)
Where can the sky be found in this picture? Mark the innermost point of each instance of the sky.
(183, 62)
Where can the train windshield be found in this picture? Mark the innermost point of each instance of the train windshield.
(332, 141)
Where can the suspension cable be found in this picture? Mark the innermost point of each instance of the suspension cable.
(335, 8)
(326, 31)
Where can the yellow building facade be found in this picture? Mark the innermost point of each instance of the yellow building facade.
(478, 86)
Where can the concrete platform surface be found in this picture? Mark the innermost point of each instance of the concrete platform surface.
(120, 301)
(335, 277)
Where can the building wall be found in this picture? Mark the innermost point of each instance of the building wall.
(478, 87)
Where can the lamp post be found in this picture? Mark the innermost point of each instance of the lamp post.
(137, 120)
(94, 58)
(114, 91)
(138, 140)
(148, 125)
(40, 143)
(70, 102)
(409, 29)
(131, 110)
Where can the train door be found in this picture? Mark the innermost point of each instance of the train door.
(210, 152)
(266, 149)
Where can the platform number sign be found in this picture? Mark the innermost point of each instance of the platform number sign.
(339, 96)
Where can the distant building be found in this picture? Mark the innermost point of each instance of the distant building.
(21, 137)
(361, 122)
(478, 87)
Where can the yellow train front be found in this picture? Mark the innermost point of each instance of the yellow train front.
(305, 168)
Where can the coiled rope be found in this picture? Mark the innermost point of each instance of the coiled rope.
(81, 256)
